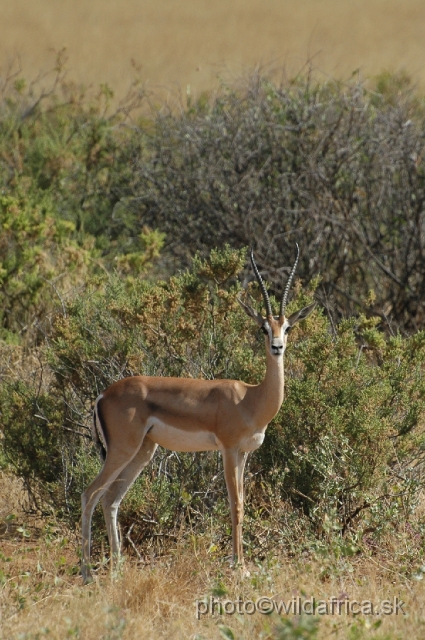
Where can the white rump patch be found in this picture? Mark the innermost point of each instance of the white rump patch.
(98, 424)
(252, 443)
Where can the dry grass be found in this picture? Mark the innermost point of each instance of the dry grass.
(193, 42)
(159, 601)
(41, 594)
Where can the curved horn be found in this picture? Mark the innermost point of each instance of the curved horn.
(262, 286)
(288, 284)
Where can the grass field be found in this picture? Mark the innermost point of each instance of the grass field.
(41, 594)
(195, 42)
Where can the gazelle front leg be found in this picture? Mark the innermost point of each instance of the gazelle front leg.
(234, 463)
(242, 457)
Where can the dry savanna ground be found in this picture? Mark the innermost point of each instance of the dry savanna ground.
(41, 595)
(195, 42)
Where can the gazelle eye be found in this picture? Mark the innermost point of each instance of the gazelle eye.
(264, 330)
(288, 329)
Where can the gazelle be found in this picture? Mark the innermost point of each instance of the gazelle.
(136, 414)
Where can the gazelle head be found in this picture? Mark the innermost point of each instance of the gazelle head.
(276, 328)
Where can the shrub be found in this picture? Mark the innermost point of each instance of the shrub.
(39, 260)
(334, 166)
(346, 447)
(68, 145)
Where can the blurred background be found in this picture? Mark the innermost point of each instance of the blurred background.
(199, 42)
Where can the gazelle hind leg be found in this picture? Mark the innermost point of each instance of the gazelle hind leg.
(112, 497)
(89, 499)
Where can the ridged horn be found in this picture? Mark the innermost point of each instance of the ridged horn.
(262, 286)
(288, 284)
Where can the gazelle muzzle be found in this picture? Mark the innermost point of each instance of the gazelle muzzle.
(277, 346)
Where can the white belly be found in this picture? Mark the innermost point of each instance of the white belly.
(179, 439)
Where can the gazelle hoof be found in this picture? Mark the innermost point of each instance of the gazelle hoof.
(87, 576)
(242, 569)
(244, 572)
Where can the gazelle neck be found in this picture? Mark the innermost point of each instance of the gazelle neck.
(269, 393)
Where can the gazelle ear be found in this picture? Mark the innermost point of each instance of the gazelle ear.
(252, 313)
(301, 314)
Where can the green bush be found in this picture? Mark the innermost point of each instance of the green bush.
(350, 432)
(336, 166)
(39, 261)
(346, 448)
(61, 143)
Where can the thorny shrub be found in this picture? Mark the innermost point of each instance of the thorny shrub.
(338, 167)
(64, 158)
(346, 449)
(335, 166)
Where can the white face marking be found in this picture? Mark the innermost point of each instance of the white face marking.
(277, 343)
(179, 439)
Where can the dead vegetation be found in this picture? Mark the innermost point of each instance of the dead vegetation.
(41, 595)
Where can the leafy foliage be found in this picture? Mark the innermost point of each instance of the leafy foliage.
(333, 166)
(62, 145)
(346, 447)
(97, 206)
(37, 257)
(337, 167)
